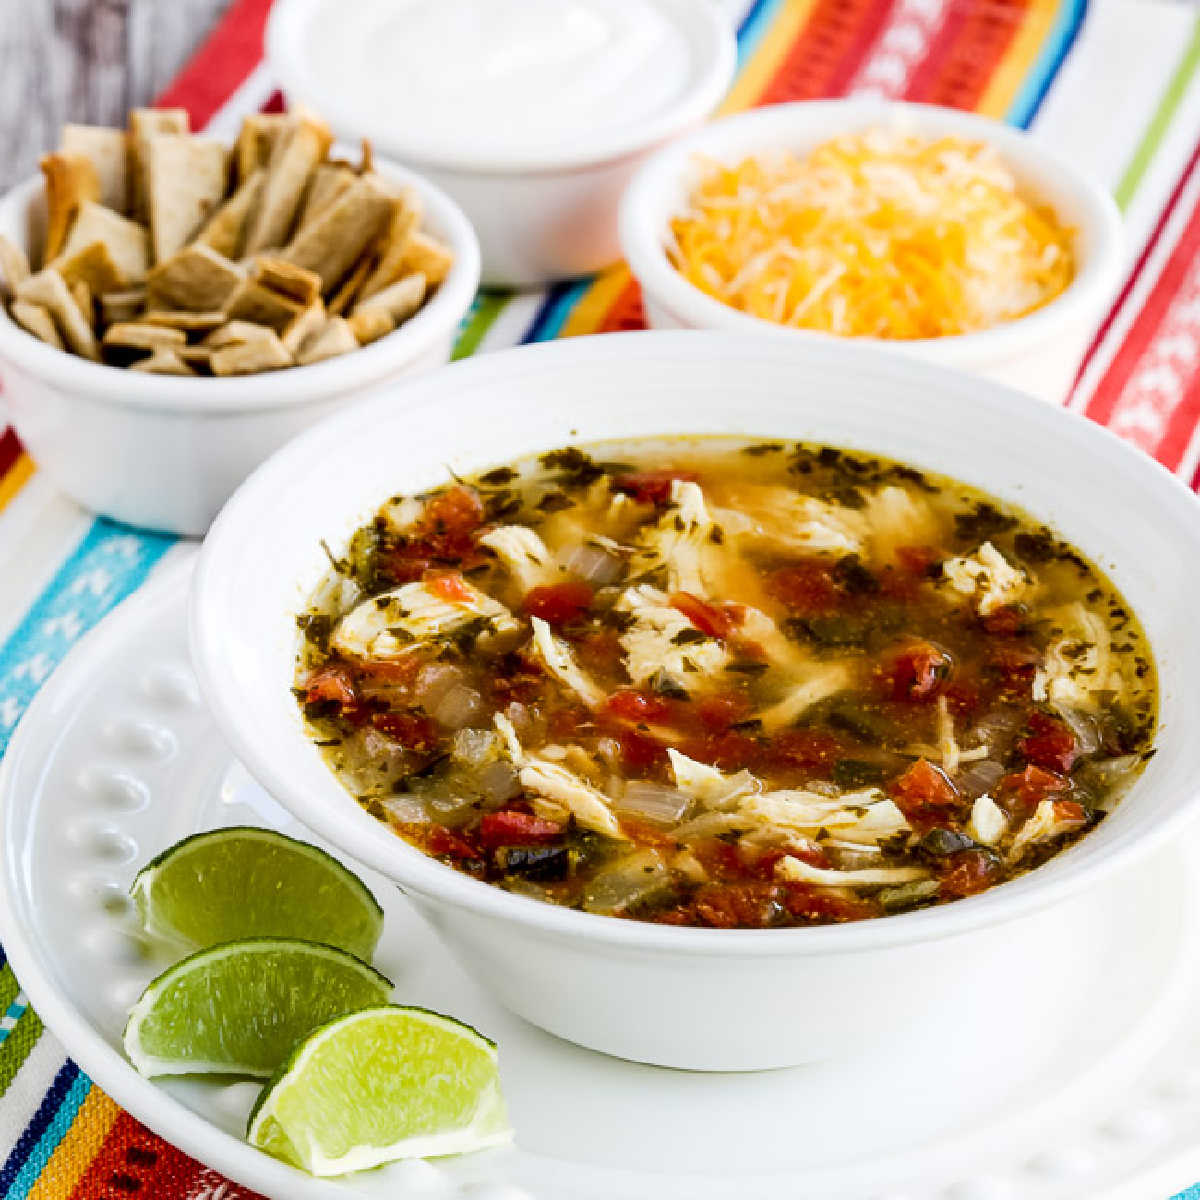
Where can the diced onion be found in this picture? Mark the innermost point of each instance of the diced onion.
(458, 707)
(406, 809)
(653, 802)
(594, 565)
(979, 777)
(433, 682)
(1087, 737)
(499, 781)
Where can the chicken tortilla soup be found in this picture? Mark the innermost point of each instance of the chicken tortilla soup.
(705, 682)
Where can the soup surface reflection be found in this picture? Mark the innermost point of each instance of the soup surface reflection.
(701, 682)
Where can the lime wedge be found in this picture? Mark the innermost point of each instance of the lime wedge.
(378, 1085)
(241, 1007)
(243, 882)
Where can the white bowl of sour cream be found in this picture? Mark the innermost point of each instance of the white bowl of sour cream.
(532, 114)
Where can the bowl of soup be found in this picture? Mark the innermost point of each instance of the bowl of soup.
(941, 234)
(706, 691)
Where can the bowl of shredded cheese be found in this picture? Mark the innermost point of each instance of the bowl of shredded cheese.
(940, 234)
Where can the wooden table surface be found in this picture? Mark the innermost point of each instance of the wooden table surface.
(86, 60)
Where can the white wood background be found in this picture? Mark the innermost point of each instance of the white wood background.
(86, 60)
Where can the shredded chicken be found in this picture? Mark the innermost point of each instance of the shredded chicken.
(781, 518)
(1047, 821)
(1080, 663)
(988, 822)
(682, 542)
(711, 787)
(555, 655)
(822, 680)
(524, 554)
(988, 577)
(663, 643)
(796, 870)
(388, 625)
(589, 805)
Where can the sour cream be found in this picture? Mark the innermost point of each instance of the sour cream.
(504, 77)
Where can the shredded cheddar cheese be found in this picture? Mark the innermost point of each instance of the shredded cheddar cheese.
(878, 234)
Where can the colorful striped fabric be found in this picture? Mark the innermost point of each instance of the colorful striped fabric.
(1049, 65)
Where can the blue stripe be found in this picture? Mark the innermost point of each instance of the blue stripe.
(31, 1135)
(753, 26)
(108, 564)
(56, 1130)
(553, 311)
(1058, 45)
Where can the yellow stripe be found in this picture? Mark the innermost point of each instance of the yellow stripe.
(592, 307)
(1013, 69)
(18, 475)
(79, 1147)
(768, 56)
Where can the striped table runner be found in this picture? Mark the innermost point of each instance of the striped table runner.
(1113, 86)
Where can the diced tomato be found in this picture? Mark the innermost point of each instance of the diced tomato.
(916, 560)
(1049, 743)
(640, 750)
(513, 828)
(1069, 810)
(921, 791)
(565, 721)
(412, 730)
(449, 586)
(967, 872)
(719, 711)
(820, 906)
(962, 697)
(457, 510)
(398, 566)
(391, 671)
(1004, 622)
(731, 750)
(646, 834)
(916, 672)
(444, 843)
(803, 748)
(740, 905)
(1016, 666)
(714, 620)
(806, 588)
(641, 708)
(721, 860)
(331, 685)
(650, 487)
(1022, 791)
(558, 603)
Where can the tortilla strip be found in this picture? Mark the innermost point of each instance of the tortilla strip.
(427, 255)
(287, 279)
(226, 228)
(143, 124)
(93, 265)
(303, 326)
(127, 242)
(246, 358)
(297, 151)
(71, 181)
(108, 152)
(14, 266)
(35, 319)
(327, 184)
(334, 338)
(185, 182)
(49, 289)
(262, 305)
(405, 217)
(139, 335)
(197, 279)
(256, 140)
(399, 300)
(84, 301)
(189, 322)
(371, 325)
(346, 295)
(334, 241)
(199, 358)
(237, 333)
(162, 362)
(122, 306)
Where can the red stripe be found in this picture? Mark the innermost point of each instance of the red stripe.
(965, 53)
(10, 450)
(1181, 427)
(222, 64)
(1138, 267)
(834, 41)
(1109, 392)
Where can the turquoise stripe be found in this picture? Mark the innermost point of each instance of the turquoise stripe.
(1041, 75)
(54, 1133)
(751, 31)
(108, 564)
(549, 324)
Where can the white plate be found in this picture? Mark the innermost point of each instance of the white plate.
(1090, 1087)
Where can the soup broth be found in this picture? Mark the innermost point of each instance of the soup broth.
(714, 683)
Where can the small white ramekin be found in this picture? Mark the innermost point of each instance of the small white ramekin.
(1038, 353)
(702, 998)
(540, 217)
(165, 453)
